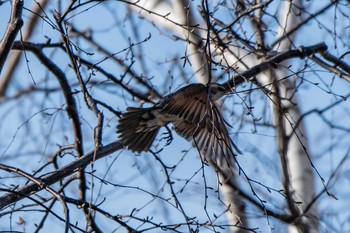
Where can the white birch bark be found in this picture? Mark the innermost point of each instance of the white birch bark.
(300, 171)
(176, 17)
(298, 168)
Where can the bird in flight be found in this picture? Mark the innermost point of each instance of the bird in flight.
(194, 114)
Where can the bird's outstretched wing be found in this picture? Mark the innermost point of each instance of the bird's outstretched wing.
(187, 103)
(200, 121)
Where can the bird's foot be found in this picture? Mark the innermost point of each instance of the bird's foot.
(168, 136)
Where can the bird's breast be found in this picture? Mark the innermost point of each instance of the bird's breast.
(155, 119)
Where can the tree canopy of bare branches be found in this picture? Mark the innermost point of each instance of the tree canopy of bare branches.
(70, 69)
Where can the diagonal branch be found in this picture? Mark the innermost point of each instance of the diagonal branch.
(250, 74)
(59, 174)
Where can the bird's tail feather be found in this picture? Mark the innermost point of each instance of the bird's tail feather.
(133, 131)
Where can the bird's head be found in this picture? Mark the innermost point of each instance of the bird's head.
(217, 91)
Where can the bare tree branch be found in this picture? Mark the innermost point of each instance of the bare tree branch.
(58, 175)
(13, 27)
(15, 59)
(250, 74)
(42, 186)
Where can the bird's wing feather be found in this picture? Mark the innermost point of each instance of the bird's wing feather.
(188, 104)
(210, 135)
(133, 130)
